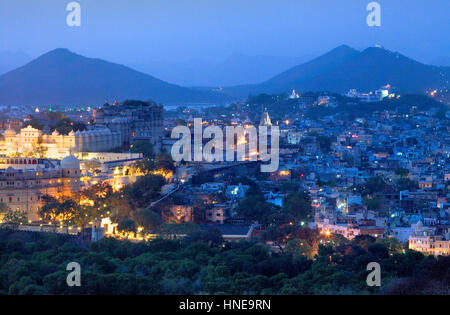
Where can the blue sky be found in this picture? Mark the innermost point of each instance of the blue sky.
(130, 31)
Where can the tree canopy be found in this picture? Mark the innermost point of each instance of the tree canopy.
(202, 263)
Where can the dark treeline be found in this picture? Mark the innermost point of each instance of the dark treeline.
(202, 263)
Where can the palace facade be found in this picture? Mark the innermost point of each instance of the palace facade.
(114, 125)
(134, 119)
(23, 181)
(56, 145)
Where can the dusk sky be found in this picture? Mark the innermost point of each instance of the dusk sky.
(178, 30)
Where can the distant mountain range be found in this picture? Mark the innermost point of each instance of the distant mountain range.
(235, 70)
(61, 77)
(345, 68)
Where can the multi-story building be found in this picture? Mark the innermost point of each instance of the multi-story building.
(56, 145)
(426, 241)
(114, 126)
(348, 230)
(430, 245)
(217, 213)
(23, 181)
(136, 120)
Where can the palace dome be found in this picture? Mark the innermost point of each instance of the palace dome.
(70, 162)
(9, 133)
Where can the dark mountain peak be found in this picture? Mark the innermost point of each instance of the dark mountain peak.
(318, 66)
(378, 51)
(342, 52)
(59, 52)
(383, 55)
(381, 52)
(58, 57)
(61, 77)
(345, 68)
(343, 49)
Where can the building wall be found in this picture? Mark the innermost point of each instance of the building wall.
(136, 122)
(22, 187)
(429, 245)
(58, 145)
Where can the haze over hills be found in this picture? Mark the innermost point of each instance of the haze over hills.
(442, 61)
(236, 69)
(61, 77)
(344, 68)
(10, 60)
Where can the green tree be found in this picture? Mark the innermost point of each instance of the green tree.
(144, 166)
(142, 146)
(378, 250)
(374, 184)
(120, 207)
(4, 208)
(148, 219)
(298, 206)
(97, 193)
(403, 172)
(373, 203)
(67, 211)
(14, 218)
(49, 211)
(289, 187)
(164, 161)
(66, 125)
(392, 244)
(406, 184)
(145, 190)
(325, 143)
(364, 241)
(297, 247)
(255, 207)
(172, 230)
(213, 237)
(127, 226)
(35, 123)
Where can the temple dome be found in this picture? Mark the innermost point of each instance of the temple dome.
(265, 119)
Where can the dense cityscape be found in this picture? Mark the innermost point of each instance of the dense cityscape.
(225, 155)
(371, 184)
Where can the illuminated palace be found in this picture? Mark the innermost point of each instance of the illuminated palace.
(114, 126)
(56, 145)
(23, 181)
(136, 120)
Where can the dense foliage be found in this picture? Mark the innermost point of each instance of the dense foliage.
(55, 121)
(34, 263)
